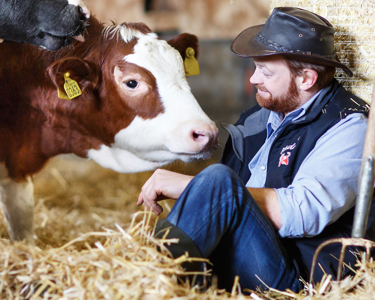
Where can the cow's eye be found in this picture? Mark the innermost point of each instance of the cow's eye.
(131, 84)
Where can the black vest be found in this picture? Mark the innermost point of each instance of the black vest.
(295, 142)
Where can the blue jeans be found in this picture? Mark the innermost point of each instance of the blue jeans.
(218, 213)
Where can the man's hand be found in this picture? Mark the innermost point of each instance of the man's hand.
(162, 185)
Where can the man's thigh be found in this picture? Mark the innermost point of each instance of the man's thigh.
(218, 213)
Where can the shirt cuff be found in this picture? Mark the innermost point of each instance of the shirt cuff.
(291, 214)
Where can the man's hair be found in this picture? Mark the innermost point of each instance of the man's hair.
(325, 73)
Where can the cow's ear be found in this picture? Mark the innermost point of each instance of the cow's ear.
(85, 73)
(184, 41)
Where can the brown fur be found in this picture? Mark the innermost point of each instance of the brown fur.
(183, 41)
(36, 125)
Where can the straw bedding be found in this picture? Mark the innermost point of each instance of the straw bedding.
(119, 265)
(93, 242)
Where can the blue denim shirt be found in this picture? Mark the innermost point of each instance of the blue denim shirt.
(325, 186)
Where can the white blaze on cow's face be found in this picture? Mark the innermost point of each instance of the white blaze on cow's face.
(181, 131)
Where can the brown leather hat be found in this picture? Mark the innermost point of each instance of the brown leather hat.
(293, 32)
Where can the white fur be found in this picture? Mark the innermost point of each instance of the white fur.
(121, 160)
(18, 203)
(128, 34)
(154, 142)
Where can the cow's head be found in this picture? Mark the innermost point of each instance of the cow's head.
(48, 24)
(140, 103)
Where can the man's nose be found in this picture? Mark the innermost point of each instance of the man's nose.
(255, 79)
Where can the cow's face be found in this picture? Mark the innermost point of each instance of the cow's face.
(48, 24)
(147, 106)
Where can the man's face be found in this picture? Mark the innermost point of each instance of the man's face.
(277, 89)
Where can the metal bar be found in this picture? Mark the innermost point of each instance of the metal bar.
(364, 197)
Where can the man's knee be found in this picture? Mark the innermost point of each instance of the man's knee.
(218, 172)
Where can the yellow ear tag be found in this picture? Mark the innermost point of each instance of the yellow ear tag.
(62, 95)
(71, 87)
(191, 64)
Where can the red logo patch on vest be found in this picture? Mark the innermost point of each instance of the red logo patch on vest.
(284, 159)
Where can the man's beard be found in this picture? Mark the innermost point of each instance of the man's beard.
(284, 103)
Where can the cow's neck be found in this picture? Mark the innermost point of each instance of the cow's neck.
(63, 133)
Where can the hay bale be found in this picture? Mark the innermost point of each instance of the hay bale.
(354, 38)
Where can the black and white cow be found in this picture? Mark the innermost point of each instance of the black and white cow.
(50, 24)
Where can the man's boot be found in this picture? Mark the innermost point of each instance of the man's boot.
(184, 245)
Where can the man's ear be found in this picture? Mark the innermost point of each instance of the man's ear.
(85, 73)
(308, 79)
(184, 41)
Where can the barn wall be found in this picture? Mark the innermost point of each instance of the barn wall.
(354, 39)
(209, 19)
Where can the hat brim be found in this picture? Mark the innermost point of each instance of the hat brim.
(245, 45)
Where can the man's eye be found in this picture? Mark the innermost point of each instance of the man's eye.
(131, 84)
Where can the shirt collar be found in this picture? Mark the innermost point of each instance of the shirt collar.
(275, 119)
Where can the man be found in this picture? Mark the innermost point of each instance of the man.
(289, 173)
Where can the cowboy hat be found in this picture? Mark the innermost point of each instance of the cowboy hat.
(293, 32)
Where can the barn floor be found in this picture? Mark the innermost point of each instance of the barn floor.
(90, 246)
(74, 196)
(78, 206)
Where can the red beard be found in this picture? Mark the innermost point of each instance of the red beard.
(284, 103)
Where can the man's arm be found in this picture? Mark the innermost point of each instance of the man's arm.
(323, 188)
(325, 185)
(269, 203)
(165, 184)
(162, 185)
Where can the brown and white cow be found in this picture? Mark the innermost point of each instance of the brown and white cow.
(136, 111)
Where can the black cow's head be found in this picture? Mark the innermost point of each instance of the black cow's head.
(45, 23)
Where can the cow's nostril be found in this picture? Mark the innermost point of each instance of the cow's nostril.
(200, 137)
(196, 135)
(84, 13)
(41, 35)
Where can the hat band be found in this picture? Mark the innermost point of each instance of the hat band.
(262, 39)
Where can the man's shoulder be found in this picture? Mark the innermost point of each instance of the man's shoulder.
(348, 103)
(245, 114)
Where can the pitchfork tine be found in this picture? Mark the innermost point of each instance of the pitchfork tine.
(341, 262)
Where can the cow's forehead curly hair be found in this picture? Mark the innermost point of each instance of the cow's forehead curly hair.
(127, 31)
